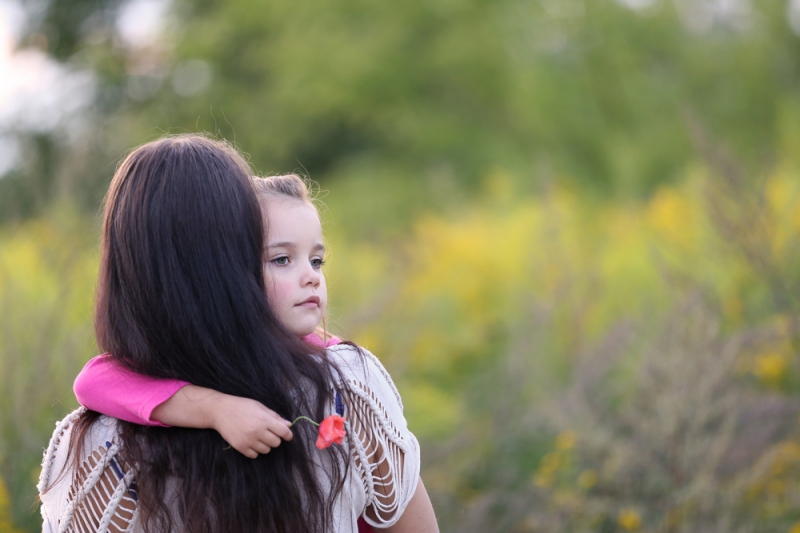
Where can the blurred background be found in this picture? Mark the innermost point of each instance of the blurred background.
(569, 228)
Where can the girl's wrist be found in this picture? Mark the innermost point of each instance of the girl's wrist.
(191, 407)
(212, 408)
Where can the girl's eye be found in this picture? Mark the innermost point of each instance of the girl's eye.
(282, 260)
(317, 262)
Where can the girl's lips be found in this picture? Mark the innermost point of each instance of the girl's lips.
(312, 301)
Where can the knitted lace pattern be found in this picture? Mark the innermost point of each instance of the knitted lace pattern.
(102, 494)
(378, 439)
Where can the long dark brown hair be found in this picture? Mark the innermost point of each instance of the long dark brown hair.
(181, 295)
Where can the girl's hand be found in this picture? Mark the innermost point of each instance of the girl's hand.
(247, 425)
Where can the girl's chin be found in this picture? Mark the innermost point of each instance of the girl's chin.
(301, 324)
(303, 332)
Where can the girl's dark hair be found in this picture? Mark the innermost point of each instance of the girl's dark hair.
(181, 295)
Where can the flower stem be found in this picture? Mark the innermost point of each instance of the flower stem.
(305, 418)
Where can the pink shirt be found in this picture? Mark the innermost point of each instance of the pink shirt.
(109, 388)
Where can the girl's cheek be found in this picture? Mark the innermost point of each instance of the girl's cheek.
(273, 285)
(323, 293)
(277, 292)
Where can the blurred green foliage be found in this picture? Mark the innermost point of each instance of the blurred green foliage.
(48, 268)
(433, 94)
(569, 228)
(578, 365)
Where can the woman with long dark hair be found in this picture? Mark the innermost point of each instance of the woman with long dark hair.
(181, 295)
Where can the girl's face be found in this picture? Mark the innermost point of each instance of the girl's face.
(293, 267)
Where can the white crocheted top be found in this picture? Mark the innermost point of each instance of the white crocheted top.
(101, 495)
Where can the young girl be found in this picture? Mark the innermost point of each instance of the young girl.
(296, 288)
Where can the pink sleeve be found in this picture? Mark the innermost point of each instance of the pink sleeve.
(314, 339)
(105, 386)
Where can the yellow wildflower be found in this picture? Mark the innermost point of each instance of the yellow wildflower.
(629, 519)
(671, 213)
(770, 367)
(551, 462)
(587, 479)
(796, 216)
(776, 487)
(5, 512)
(789, 451)
(543, 480)
(566, 440)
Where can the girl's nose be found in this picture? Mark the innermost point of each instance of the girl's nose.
(311, 276)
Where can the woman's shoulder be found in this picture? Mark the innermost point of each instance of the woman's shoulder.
(364, 371)
(356, 362)
(385, 452)
(56, 481)
(100, 434)
(349, 357)
(352, 358)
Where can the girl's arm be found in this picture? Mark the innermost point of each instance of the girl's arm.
(248, 426)
(105, 386)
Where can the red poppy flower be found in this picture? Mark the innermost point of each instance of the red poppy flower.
(331, 431)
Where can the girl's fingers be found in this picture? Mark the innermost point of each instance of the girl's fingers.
(264, 444)
(250, 454)
(278, 425)
(282, 431)
(262, 448)
(271, 440)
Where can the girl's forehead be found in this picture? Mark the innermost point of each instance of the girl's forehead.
(288, 217)
(283, 203)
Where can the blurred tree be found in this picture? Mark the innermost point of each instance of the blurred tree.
(593, 92)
